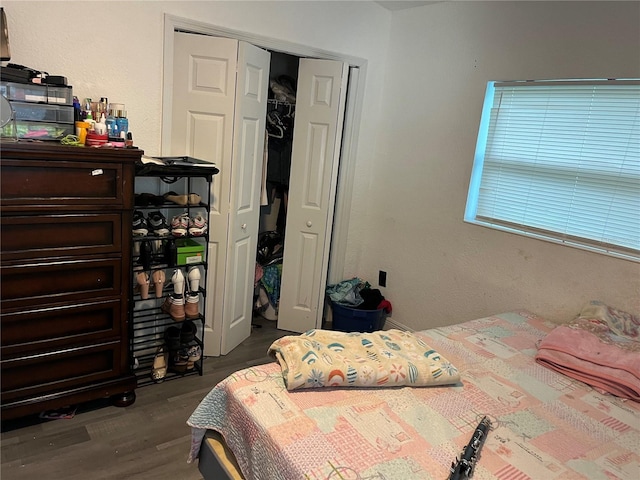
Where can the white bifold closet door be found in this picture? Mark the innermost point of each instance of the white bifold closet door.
(317, 134)
(219, 116)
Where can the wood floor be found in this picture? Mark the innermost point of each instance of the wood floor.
(148, 440)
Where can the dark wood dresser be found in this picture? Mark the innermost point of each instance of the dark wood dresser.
(65, 238)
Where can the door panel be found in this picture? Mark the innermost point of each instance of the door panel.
(202, 119)
(246, 175)
(219, 111)
(320, 103)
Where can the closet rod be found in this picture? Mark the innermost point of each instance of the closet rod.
(281, 102)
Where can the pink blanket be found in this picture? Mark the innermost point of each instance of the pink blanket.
(594, 350)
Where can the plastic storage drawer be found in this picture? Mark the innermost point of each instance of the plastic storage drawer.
(38, 130)
(40, 112)
(34, 93)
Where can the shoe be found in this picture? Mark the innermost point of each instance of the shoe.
(158, 224)
(194, 353)
(192, 306)
(158, 277)
(170, 252)
(197, 225)
(180, 225)
(146, 199)
(143, 284)
(178, 282)
(188, 332)
(159, 369)
(180, 361)
(172, 338)
(191, 199)
(174, 307)
(194, 279)
(146, 255)
(140, 227)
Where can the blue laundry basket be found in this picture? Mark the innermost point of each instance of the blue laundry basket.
(346, 319)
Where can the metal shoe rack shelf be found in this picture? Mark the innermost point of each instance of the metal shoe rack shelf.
(148, 322)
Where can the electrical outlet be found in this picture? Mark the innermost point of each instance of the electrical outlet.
(382, 278)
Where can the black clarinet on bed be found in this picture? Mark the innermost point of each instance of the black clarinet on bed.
(463, 468)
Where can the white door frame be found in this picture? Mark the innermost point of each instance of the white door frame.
(353, 116)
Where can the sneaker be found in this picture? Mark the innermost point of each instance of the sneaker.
(174, 307)
(140, 227)
(180, 225)
(197, 225)
(158, 224)
(191, 307)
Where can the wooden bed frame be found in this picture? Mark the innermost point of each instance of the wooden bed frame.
(216, 461)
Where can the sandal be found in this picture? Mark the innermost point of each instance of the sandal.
(159, 369)
(158, 278)
(190, 199)
(143, 284)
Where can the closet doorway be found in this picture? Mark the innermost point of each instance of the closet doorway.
(234, 141)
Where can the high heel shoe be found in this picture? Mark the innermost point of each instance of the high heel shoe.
(143, 283)
(159, 369)
(178, 282)
(194, 279)
(158, 278)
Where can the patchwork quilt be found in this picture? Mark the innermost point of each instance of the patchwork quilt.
(546, 425)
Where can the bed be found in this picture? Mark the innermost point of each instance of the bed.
(546, 424)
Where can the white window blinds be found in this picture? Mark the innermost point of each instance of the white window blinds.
(560, 160)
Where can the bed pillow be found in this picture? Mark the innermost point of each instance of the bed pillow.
(326, 358)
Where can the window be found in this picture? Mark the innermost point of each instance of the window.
(560, 161)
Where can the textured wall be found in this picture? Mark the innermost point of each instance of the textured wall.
(441, 270)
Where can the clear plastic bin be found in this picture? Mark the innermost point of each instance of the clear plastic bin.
(38, 130)
(40, 112)
(34, 93)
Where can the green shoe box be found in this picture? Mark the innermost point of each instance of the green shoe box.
(189, 251)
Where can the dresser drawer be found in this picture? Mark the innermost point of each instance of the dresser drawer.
(35, 236)
(45, 373)
(41, 283)
(38, 329)
(44, 183)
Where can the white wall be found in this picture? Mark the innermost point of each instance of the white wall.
(114, 49)
(441, 270)
(414, 154)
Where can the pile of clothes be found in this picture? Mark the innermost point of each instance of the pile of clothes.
(358, 294)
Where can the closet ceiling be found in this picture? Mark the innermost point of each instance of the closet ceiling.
(403, 5)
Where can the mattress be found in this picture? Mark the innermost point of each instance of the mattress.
(545, 425)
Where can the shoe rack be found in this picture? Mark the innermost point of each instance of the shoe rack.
(166, 313)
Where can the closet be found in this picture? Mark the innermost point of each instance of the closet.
(217, 110)
(276, 174)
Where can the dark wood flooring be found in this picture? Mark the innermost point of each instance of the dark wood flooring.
(148, 440)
